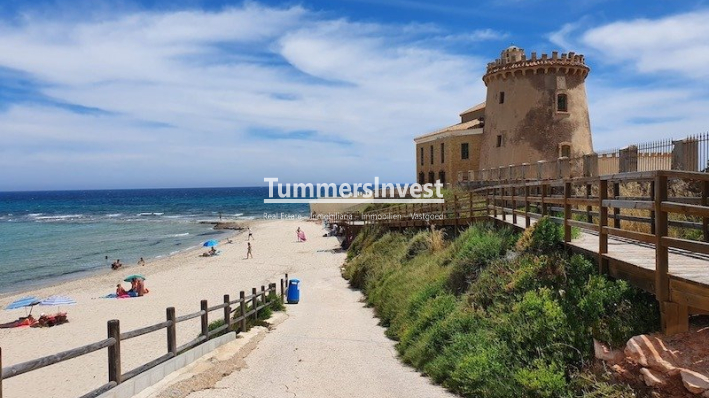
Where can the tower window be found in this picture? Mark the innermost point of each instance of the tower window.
(561, 103)
(443, 153)
(422, 178)
(464, 151)
(421, 152)
(502, 97)
(442, 176)
(431, 177)
(565, 151)
(499, 141)
(431, 154)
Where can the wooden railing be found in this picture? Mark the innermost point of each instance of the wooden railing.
(661, 210)
(258, 301)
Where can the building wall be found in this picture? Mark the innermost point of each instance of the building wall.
(452, 161)
(528, 122)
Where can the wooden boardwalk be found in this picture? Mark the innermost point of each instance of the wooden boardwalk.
(648, 228)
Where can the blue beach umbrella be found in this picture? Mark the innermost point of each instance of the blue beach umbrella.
(57, 300)
(28, 301)
(210, 243)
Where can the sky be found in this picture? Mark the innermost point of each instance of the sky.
(185, 93)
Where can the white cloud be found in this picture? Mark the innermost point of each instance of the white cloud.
(185, 94)
(676, 43)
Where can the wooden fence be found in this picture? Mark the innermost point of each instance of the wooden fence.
(649, 215)
(245, 306)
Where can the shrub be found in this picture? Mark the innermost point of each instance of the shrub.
(417, 245)
(544, 236)
(477, 248)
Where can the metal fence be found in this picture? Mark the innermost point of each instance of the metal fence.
(688, 154)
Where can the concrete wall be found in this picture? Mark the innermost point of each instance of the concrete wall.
(530, 126)
(453, 163)
(146, 379)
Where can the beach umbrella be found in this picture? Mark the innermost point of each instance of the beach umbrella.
(210, 243)
(28, 301)
(57, 300)
(131, 277)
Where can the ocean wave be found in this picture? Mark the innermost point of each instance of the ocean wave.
(178, 235)
(150, 214)
(33, 215)
(59, 217)
(238, 214)
(114, 215)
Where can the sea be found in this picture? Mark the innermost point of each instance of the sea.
(47, 237)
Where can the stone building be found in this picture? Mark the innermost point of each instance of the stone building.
(535, 109)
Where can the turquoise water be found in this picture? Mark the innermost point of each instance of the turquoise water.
(48, 236)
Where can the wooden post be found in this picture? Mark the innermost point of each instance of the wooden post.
(616, 211)
(494, 202)
(254, 302)
(652, 212)
(286, 281)
(227, 312)
(263, 295)
(589, 217)
(602, 223)
(527, 219)
(242, 305)
(514, 206)
(661, 255)
(567, 211)
(171, 331)
(705, 202)
(283, 290)
(205, 318)
(455, 211)
(0, 372)
(114, 352)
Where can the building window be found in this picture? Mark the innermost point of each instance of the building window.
(421, 151)
(443, 153)
(502, 97)
(431, 177)
(431, 154)
(562, 103)
(442, 176)
(422, 178)
(464, 151)
(565, 151)
(499, 141)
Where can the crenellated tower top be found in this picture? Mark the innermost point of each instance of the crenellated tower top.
(513, 61)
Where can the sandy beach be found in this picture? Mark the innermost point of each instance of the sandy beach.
(180, 281)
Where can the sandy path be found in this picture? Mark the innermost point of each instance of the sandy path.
(330, 346)
(180, 281)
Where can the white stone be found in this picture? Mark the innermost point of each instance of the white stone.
(696, 383)
(604, 353)
(653, 378)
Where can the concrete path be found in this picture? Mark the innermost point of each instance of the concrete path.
(330, 346)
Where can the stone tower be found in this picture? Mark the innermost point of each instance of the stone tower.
(536, 109)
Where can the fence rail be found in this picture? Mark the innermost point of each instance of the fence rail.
(688, 154)
(258, 301)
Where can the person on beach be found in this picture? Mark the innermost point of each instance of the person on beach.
(251, 235)
(141, 261)
(297, 234)
(248, 250)
(116, 264)
(213, 251)
(120, 291)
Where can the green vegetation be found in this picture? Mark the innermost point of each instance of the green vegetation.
(487, 322)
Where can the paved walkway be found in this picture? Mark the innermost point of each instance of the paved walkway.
(330, 346)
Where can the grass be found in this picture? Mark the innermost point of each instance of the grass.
(485, 323)
(263, 315)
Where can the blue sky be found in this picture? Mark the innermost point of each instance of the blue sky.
(186, 93)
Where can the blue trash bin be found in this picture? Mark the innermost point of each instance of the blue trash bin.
(293, 291)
